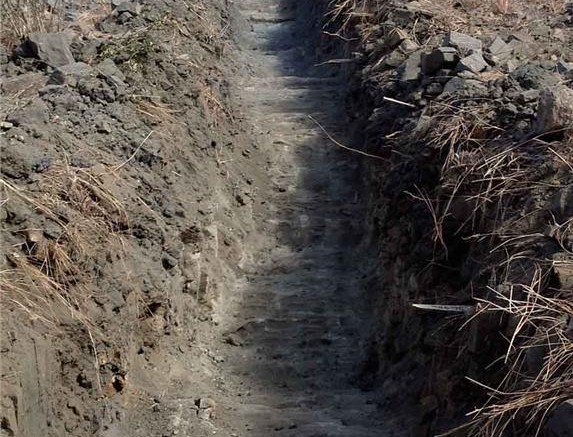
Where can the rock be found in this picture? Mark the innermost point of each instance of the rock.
(474, 63)
(411, 69)
(109, 70)
(528, 96)
(5, 125)
(443, 57)
(33, 114)
(234, 339)
(565, 69)
(168, 261)
(70, 74)
(395, 37)
(124, 17)
(103, 126)
(116, 3)
(560, 423)
(132, 8)
(464, 43)
(500, 49)
(555, 109)
(533, 76)
(466, 87)
(113, 76)
(96, 90)
(394, 59)
(204, 403)
(509, 66)
(434, 89)
(50, 48)
(563, 268)
(408, 46)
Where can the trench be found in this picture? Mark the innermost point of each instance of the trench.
(302, 328)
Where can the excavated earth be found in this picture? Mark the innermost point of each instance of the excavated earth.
(231, 298)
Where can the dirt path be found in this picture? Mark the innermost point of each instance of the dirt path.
(298, 339)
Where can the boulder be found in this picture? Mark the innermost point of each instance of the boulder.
(70, 74)
(132, 8)
(51, 48)
(560, 423)
(565, 69)
(394, 59)
(442, 58)
(464, 43)
(555, 109)
(474, 63)
(500, 49)
(411, 69)
(533, 76)
(109, 70)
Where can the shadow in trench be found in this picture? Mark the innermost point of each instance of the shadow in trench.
(304, 340)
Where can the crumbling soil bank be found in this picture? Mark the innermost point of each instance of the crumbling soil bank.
(470, 108)
(188, 251)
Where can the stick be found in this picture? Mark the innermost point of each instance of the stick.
(360, 152)
(124, 163)
(399, 102)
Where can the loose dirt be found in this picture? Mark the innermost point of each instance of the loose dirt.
(228, 294)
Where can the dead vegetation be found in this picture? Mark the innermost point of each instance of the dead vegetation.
(486, 197)
(52, 264)
(20, 18)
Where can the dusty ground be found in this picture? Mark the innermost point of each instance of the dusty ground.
(187, 251)
(179, 235)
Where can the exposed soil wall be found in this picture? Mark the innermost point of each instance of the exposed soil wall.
(128, 184)
(467, 205)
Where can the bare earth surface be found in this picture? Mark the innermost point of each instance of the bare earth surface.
(296, 345)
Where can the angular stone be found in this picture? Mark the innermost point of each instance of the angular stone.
(133, 8)
(464, 43)
(555, 109)
(394, 59)
(70, 74)
(500, 49)
(50, 48)
(408, 46)
(443, 57)
(528, 96)
(108, 69)
(205, 403)
(411, 69)
(474, 63)
(565, 69)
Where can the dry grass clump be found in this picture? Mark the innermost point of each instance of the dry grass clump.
(50, 267)
(539, 359)
(345, 12)
(20, 18)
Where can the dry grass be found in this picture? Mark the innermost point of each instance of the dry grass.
(212, 105)
(478, 197)
(50, 269)
(20, 18)
(541, 327)
(156, 110)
